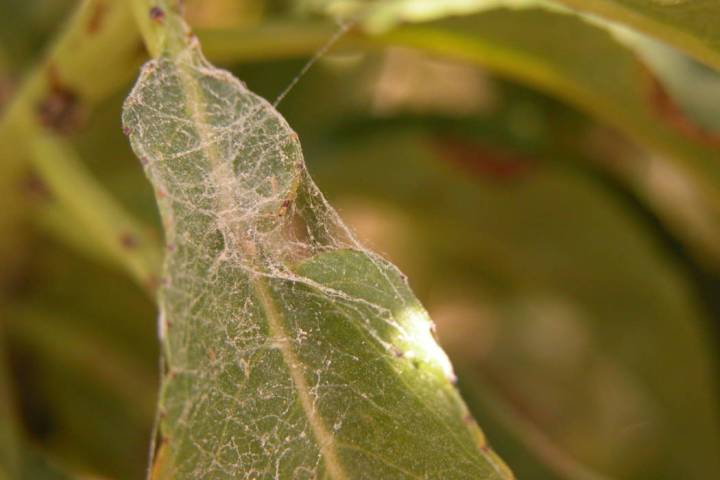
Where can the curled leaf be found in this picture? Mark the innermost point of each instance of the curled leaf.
(290, 351)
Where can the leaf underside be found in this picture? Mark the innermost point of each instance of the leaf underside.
(290, 351)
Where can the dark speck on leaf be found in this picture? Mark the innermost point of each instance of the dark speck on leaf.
(97, 16)
(157, 14)
(128, 240)
(36, 187)
(60, 109)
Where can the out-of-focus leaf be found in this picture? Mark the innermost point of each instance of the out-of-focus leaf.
(9, 460)
(84, 356)
(25, 26)
(534, 451)
(690, 25)
(379, 15)
(692, 85)
(37, 467)
(289, 349)
(583, 65)
(17, 459)
(687, 25)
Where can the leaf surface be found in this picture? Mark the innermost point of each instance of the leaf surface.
(690, 25)
(290, 351)
(570, 59)
(512, 270)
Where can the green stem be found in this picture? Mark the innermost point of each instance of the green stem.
(161, 25)
(95, 55)
(101, 219)
(78, 65)
(78, 62)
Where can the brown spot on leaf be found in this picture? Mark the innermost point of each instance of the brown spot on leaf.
(157, 14)
(35, 187)
(128, 241)
(60, 110)
(99, 9)
(284, 207)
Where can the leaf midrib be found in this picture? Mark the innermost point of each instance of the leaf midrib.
(219, 173)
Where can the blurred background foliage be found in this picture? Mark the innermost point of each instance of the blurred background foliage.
(549, 180)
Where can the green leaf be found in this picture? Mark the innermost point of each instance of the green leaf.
(18, 460)
(86, 360)
(562, 293)
(688, 25)
(290, 351)
(583, 65)
(379, 15)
